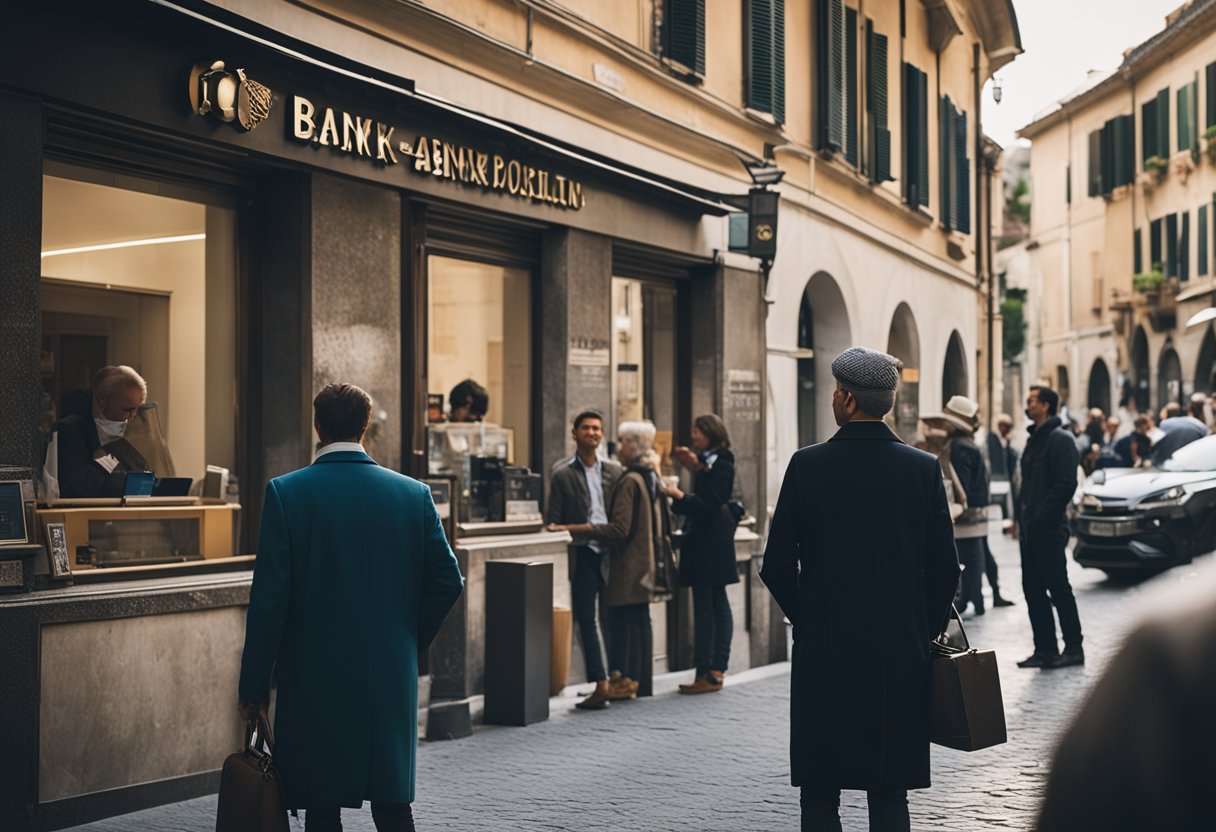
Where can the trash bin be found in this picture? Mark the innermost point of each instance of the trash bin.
(519, 641)
(559, 660)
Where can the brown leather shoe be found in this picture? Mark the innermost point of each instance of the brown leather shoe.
(621, 687)
(709, 683)
(599, 698)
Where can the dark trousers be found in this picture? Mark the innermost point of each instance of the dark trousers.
(888, 810)
(712, 628)
(971, 556)
(1045, 582)
(630, 640)
(585, 590)
(991, 571)
(389, 817)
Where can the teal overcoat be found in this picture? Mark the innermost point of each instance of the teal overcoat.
(353, 578)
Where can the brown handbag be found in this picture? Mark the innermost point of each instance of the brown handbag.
(966, 709)
(250, 797)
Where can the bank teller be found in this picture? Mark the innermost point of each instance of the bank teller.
(93, 456)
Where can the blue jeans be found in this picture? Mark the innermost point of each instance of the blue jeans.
(388, 817)
(585, 589)
(888, 810)
(713, 626)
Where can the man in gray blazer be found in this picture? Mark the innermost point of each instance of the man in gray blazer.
(577, 495)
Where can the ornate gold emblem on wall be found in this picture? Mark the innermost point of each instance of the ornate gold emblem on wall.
(228, 95)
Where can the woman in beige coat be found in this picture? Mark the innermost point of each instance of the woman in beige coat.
(632, 512)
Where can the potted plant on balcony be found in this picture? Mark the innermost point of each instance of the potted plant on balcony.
(1155, 169)
(1149, 284)
(1184, 164)
(1209, 138)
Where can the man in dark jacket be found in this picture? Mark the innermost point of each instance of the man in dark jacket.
(578, 495)
(93, 457)
(1049, 480)
(861, 510)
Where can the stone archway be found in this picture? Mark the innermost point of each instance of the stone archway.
(1169, 377)
(903, 342)
(954, 372)
(1139, 370)
(1099, 387)
(823, 328)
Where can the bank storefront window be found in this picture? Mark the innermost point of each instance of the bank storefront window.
(644, 359)
(130, 277)
(480, 330)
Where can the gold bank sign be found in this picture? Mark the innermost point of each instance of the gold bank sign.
(366, 138)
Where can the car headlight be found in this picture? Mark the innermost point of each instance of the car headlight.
(1175, 496)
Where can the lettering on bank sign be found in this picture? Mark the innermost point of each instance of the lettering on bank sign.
(430, 156)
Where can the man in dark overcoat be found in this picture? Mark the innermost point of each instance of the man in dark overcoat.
(861, 514)
(353, 578)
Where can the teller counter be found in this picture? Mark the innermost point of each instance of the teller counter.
(116, 697)
(144, 539)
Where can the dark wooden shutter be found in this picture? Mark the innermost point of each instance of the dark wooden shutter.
(946, 167)
(684, 33)
(1210, 89)
(916, 136)
(1171, 245)
(1201, 239)
(1183, 117)
(823, 73)
(778, 38)
(850, 86)
(1184, 246)
(1154, 246)
(1148, 130)
(836, 80)
(765, 56)
(963, 176)
(1095, 163)
(1163, 123)
(1127, 153)
(877, 105)
(1137, 253)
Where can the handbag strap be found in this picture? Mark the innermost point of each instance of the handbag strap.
(942, 642)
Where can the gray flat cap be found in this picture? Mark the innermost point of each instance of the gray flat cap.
(871, 376)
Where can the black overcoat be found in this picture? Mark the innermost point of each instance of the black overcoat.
(707, 555)
(861, 559)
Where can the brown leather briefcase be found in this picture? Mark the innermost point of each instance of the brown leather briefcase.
(966, 709)
(250, 798)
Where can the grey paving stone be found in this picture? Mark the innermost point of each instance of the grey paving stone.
(719, 761)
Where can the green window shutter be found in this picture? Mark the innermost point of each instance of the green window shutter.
(1184, 118)
(765, 57)
(823, 73)
(1163, 123)
(1137, 253)
(916, 136)
(1184, 246)
(1201, 238)
(947, 189)
(877, 104)
(1148, 130)
(850, 86)
(1095, 163)
(922, 118)
(1154, 245)
(1125, 150)
(684, 33)
(963, 175)
(1171, 245)
(1210, 89)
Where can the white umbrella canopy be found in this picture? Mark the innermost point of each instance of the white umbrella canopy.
(1202, 317)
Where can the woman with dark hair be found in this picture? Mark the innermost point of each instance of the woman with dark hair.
(707, 556)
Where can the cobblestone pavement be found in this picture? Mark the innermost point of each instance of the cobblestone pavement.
(719, 762)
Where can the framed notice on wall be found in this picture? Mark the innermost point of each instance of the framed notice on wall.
(57, 550)
(12, 513)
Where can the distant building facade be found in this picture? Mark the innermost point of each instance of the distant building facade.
(1121, 232)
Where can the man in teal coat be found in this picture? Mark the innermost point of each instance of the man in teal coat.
(353, 578)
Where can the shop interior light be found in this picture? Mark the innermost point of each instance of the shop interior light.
(150, 241)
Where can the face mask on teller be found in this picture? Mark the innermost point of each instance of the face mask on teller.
(108, 429)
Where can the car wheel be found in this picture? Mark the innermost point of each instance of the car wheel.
(1128, 577)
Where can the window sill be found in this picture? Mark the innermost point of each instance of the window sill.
(762, 117)
(682, 71)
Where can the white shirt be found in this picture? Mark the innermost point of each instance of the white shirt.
(597, 515)
(339, 447)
